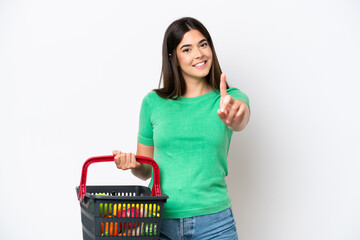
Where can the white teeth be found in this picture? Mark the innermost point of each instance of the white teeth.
(199, 64)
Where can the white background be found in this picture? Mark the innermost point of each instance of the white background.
(73, 74)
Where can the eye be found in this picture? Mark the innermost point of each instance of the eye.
(204, 44)
(186, 50)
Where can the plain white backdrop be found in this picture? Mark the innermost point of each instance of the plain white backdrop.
(73, 74)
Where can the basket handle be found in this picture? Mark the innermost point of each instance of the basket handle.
(156, 191)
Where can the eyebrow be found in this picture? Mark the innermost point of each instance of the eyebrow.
(189, 45)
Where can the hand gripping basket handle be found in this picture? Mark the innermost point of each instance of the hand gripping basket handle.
(156, 191)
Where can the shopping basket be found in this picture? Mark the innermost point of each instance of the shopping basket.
(120, 212)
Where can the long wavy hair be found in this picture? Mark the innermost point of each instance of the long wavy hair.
(173, 81)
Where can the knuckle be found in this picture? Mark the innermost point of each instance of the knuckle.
(124, 167)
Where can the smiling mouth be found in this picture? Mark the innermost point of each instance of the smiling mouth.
(200, 64)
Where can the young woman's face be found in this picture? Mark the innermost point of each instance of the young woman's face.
(194, 55)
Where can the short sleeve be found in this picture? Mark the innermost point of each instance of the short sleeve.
(237, 94)
(145, 135)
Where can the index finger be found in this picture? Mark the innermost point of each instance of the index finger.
(223, 91)
(116, 152)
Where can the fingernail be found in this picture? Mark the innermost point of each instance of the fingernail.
(228, 121)
(222, 110)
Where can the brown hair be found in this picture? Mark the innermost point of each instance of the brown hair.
(173, 82)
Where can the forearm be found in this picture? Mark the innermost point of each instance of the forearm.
(144, 171)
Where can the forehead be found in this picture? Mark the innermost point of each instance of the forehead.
(192, 37)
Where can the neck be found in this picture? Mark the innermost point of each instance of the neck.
(195, 88)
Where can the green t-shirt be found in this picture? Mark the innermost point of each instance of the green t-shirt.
(191, 146)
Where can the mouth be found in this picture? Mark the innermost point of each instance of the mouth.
(200, 64)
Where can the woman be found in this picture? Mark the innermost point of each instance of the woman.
(186, 126)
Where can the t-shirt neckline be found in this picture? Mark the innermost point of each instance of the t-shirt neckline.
(199, 98)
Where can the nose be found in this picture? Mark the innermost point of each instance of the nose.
(197, 53)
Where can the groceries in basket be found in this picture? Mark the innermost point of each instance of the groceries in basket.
(127, 230)
(128, 211)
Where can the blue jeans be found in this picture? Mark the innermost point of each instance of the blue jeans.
(219, 225)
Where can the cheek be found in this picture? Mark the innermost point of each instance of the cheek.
(209, 54)
(210, 59)
(184, 60)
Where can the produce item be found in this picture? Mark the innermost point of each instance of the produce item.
(104, 232)
(154, 210)
(149, 230)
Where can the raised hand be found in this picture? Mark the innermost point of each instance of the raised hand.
(234, 113)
